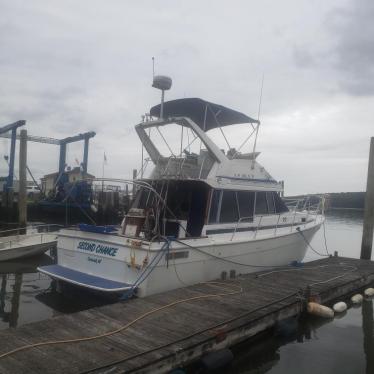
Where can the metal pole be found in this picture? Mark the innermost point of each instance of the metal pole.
(22, 196)
(11, 158)
(62, 161)
(85, 154)
(367, 233)
(134, 177)
(282, 192)
(162, 105)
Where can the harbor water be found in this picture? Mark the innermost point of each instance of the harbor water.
(344, 345)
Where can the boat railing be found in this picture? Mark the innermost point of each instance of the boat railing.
(23, 230)
(175, 167)
(305, 206)
(312, 204)
(240, 220)
(201, 167)
(16, 239)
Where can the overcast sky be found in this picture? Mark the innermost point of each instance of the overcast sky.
(73, 66)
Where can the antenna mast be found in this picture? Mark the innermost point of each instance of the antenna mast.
(258, 124)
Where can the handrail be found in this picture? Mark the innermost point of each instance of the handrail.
(258, 225)
(305, 206)
(294, 216)
(237, 224)
(19, 238)
(201, 168)
(276, 226)
(32, 227)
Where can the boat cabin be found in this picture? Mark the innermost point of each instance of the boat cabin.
(190, 208)
(194, 192)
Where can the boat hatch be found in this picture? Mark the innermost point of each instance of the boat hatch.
(83, 279)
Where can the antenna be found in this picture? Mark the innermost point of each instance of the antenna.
(153, 67)
(258, 124)
(260, 102)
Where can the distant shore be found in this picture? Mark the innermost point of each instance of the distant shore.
(342, 200)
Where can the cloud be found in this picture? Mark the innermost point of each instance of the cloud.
(353, 29)
(303, 57)
(70, 67)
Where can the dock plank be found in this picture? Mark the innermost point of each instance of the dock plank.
(182, 332)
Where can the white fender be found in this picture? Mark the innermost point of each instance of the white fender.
(320, 310)
(340, 307)
(357, 299)
(369, 292)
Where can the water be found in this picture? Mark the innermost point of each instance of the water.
(314, 345)
(343, 345)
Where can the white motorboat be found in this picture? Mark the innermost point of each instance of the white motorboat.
(198, 216)
(26, 245)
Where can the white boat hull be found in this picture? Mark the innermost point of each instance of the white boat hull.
(186, 262)
(23, 246)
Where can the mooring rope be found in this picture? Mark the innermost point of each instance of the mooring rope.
(309, 245)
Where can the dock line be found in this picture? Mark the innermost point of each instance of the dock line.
(310, 246)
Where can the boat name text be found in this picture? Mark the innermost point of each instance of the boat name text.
(98, 248)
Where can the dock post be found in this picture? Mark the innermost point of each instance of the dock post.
(22, 195)
(368, 227)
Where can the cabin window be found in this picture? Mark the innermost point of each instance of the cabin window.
(270, 202)
(229, 207)
(141, 198)
(261, 204)
(214, 205)
(280, 206)
(246, 200)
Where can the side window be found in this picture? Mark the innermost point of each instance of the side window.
(261, 204)
(280, 206)
(141, 198)
(229, 207)
(270, 202)
(214, 204)
(246, 202)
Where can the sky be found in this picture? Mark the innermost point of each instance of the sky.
(72, 66)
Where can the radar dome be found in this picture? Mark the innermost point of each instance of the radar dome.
(162, 82)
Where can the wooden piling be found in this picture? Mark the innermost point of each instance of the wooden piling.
(368, 227)
(22, 193)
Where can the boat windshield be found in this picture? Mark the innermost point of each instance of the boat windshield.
(177, 209)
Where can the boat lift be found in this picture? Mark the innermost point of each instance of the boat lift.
(13, 136)
(4, 133)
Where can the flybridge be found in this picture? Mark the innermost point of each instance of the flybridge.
(194, 155)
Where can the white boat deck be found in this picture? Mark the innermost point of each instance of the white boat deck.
(26, 245)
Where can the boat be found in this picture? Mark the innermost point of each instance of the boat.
(201, 214)
(26, 245)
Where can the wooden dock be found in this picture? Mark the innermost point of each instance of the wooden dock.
(181, 333)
